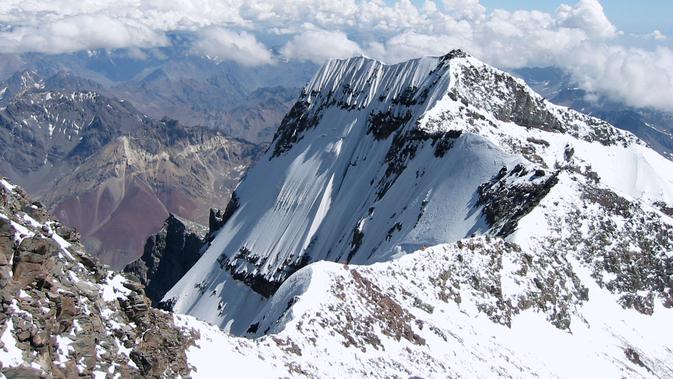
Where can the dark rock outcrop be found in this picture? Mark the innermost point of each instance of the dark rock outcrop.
(258, 282)
(167, 256)
(217, 218)
(511, 195)
(293, 125)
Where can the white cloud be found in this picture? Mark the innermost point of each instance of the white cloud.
(410, 45)
(578, 38)
(240, 47)
(81, 32)
(658, 35)
(320, 45)
(521, 38)
(465, 8)
(638, 77)
(589, 16)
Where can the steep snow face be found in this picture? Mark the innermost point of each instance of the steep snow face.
(377, 161)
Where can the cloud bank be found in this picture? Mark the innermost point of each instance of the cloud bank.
(79, 32)
(240, 47)
(319, 45)
(577, 37)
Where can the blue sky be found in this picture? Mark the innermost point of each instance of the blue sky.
(628, 15)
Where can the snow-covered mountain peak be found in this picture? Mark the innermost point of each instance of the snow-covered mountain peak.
(404, 217)
(378, 161)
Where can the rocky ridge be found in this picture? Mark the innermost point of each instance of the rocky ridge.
(375, 161)
(442, 157)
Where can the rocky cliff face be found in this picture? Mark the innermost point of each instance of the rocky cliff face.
(167, 256)
(105, 168)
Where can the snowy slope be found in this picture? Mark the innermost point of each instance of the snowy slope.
(480, 307)
(471, 309)
(375, 161)
(555, 302)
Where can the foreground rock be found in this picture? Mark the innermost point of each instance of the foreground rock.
(64, 315)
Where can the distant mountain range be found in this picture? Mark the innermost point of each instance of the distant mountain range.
(245, 102)
(109, 170)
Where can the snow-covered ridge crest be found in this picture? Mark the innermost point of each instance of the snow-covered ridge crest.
(363, 78)
(376, 161)
(424, 92)
(478, 299)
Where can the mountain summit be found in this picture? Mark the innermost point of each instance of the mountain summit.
(376, 161)
(478, 196)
